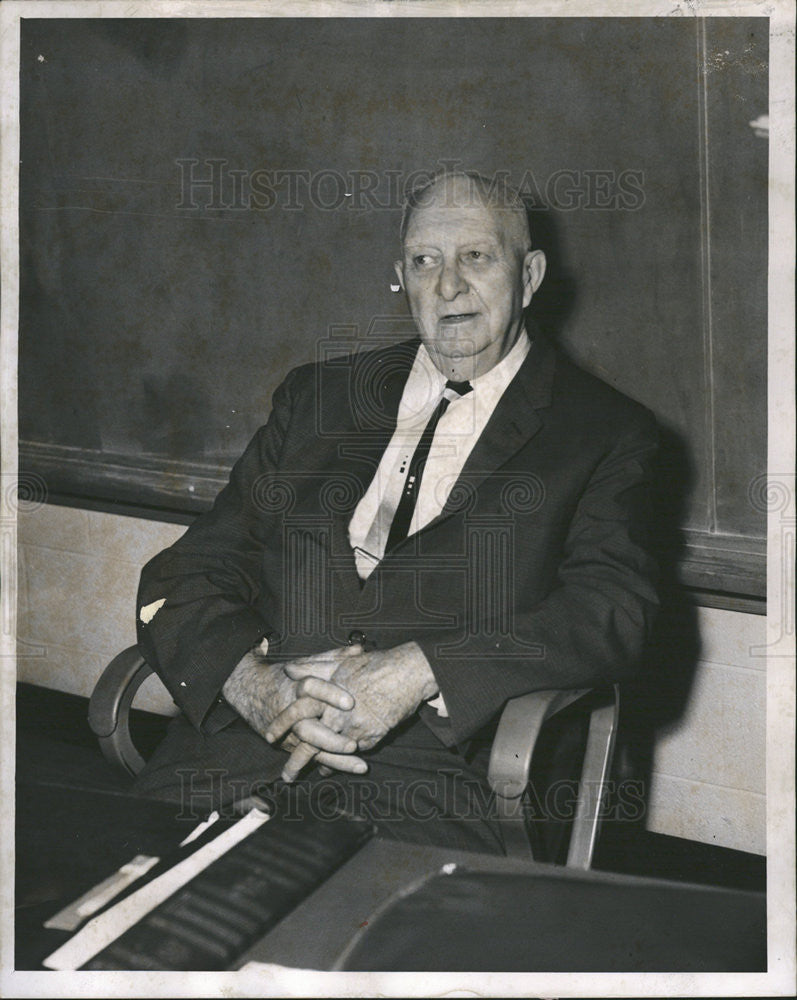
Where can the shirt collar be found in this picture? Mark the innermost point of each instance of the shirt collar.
(426, 382)
(498, 376)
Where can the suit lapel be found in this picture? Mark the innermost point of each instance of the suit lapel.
(513, 423)
(372, 398)
(374, 395)
(360, 405)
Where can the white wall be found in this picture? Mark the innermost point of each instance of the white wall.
(78, 576)
(709, 767)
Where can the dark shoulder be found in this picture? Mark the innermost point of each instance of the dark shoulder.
(356, 366)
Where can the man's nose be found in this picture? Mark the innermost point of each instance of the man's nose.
(452, 281)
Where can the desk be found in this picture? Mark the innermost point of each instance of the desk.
(491, 914)
(69, 839)
(390, 909)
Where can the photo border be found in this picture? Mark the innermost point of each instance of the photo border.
(780, 979)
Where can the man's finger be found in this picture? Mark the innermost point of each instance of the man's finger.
(341, 762)
(299, 759)
(310, 667)
(320, 664)
(323, 738)
(321, 690)
(290, 742)
(302, 708)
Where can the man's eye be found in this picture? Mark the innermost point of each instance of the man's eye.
(476, 255)
(422, 260)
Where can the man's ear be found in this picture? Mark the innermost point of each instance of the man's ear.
(533, 273)
(398, 266)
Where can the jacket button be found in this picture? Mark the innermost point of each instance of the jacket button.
(356, 637)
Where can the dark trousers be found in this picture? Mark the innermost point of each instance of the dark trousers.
(415, 790)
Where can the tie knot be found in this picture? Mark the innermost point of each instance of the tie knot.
(461, 388)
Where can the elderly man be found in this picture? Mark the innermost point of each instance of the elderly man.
(418, 534)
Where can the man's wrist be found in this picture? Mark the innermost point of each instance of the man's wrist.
(236, 687)
(431, 693)
(257, 690)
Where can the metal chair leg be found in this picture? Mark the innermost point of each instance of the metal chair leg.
(592, 786)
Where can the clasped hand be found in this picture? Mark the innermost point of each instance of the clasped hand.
(385, 686)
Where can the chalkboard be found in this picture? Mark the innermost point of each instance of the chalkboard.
(207, 203)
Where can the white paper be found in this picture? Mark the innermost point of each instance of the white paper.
(102, 930)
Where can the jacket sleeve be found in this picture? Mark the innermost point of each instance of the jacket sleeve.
(591, 628)
(195, 611)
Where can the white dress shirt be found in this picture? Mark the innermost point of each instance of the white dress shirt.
(457, 432)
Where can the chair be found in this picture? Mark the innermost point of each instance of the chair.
(510, 756)
(510, 763)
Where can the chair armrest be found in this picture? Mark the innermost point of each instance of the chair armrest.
(510, 760)
(109, 708)
(510, 763)
(516, 737)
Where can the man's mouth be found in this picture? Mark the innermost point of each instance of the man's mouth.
(456, 317)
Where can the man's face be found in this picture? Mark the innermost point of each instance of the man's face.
(468, 279)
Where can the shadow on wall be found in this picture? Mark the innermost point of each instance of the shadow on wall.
(661, 693)
(556, 298)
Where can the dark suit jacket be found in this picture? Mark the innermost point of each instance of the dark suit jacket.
(535, 575)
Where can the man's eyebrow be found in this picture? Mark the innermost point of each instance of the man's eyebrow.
(490, 241)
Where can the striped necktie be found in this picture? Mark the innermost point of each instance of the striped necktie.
(402, 519)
